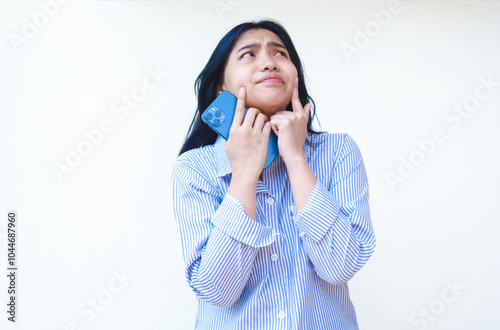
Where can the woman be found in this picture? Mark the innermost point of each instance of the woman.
(269, 248)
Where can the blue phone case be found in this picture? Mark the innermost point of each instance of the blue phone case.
(219, 116)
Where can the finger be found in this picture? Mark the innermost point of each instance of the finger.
(274, 121)
(276, 125)
(239, 112)
(250, 117)
(274, 128)
(267, 129)
(280, 122)
(296, 105)
(260, 121)
(280, 114)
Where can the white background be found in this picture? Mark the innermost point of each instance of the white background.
(112, 213)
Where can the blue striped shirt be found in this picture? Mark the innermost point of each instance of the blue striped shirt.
(285, 270)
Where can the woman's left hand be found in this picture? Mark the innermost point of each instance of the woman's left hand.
(291, 127)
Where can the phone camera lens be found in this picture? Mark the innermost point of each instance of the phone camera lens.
(209, 115)
(216, 121)
(217, 113)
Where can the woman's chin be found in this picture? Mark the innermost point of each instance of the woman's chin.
(268, 107)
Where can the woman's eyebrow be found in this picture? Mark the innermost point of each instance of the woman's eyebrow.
(270, 43)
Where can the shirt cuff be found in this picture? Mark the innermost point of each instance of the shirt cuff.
(231, 219)
(318, 214)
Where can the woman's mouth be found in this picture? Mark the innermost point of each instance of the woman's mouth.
(271, 79)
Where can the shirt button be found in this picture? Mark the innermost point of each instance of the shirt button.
(281, 315)
(292, 208)
(270, 201)
(274, 257)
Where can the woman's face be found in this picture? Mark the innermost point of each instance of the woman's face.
(260, 62)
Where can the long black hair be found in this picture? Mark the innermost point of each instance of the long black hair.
(200, 134)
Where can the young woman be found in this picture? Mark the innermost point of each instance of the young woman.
(269, 248)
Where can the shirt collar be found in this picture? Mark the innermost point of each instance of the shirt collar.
(223, 163)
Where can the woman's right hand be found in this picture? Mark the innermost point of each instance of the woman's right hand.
(246, 146)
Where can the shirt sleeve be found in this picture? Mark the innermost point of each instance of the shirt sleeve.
(219, 241)
(338, 235)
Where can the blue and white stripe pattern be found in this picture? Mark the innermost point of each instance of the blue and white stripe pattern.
(286, 270)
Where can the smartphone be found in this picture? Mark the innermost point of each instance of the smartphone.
(220, 114)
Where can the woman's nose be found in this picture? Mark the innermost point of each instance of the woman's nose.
(268, 63)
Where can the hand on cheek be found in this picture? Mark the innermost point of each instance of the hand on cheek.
(291, 128)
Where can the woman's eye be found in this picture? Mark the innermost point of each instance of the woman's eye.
(281, 53)
(247, 54)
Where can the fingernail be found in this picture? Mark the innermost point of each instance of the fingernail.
(241, 92)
